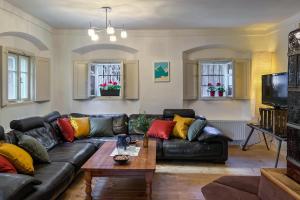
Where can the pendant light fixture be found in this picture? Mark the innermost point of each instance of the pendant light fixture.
(109, 30)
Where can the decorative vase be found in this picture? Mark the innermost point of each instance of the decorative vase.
(221, 93)
(212, 93)
(145, 140)
(112, 92)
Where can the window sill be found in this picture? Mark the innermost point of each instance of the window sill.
(19, 103)
(108, 98)
(216, 99)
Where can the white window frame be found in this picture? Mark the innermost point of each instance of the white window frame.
(200, 62)
(18, 54)
(96, 88)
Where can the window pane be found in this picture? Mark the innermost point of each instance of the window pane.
(12, 77)
(108, 78)
(24, 82)
(24, 62)
(12, 62)
(12, 86)
(216, 72)
(24, 85)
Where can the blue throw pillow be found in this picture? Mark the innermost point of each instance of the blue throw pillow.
(196, 129)
(101, 127)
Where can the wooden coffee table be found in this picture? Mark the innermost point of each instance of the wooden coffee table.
(101, 164)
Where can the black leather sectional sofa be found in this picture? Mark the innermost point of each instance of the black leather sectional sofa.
(50, 180)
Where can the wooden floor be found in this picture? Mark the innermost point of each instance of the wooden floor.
(177, 180)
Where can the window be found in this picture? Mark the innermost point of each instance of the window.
(105, 79)
(19, 75)
(216, 78)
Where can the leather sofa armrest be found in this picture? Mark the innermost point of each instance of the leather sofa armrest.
(211, 133)
(16, 186)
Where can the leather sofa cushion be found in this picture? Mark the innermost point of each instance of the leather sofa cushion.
(16, 186)
(217, 191)
(210, 132)
(27, 124)
(169, 113)
(245, 183)
(74, 153)
(41, 134)
(53, 116)
(96, 141)
(184, 149)
(37, 128)
(120, 121)
(51, 119)
(55, 178)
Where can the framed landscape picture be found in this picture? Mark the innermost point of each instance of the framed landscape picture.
(161, 71)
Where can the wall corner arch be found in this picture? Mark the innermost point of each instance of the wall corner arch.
(95, 47)
(30, 38)
(213, 46)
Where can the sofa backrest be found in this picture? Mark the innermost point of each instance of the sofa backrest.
(120, 121)
(169, 113)
(37, 128)
(51, 119)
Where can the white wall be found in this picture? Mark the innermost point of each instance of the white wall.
(152, 45)
(278, 38)
(15, 20)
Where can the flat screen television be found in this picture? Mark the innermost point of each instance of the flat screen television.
(275, 89)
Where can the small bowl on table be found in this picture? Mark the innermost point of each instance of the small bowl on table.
(121, 159)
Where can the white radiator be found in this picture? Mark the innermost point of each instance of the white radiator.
(236, 130)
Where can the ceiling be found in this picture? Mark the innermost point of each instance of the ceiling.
(161, 14)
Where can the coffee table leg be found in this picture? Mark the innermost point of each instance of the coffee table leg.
(88, 185)
(148, 177)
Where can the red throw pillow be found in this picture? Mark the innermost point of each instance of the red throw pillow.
(66, 128)
(6, 166)
(161, 129)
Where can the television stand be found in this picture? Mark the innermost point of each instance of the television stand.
(264, 132)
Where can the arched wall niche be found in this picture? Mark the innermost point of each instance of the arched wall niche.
(96, 47)
(215, 51)
(30, 38)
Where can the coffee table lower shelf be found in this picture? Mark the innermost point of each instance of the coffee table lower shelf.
(89, 175)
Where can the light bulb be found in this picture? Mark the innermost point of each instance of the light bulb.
(110, 30)
(91, 32)
(112, 38)
(123, 34)
(95, 37)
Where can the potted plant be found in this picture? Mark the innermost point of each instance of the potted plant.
(110, 89)
(142, 123)
(211, 89)
(220, 89)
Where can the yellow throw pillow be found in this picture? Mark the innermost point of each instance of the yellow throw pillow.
(182, 125)
(81, 127)
(21, 160)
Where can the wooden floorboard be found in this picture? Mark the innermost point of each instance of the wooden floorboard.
(176, 180)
